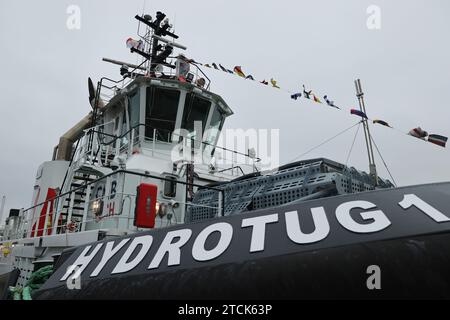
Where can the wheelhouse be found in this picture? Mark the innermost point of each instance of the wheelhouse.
(165, 112)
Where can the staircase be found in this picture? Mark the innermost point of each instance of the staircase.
(75, 206)
(87, 166)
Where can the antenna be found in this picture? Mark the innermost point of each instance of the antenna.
(143, 6)
(152, 47)
(362, 107)
(153, 52)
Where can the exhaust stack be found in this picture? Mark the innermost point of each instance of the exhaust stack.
(65, 145)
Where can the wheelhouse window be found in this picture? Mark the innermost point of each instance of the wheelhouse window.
(161, 112)
(216, 125)
(134, 103)
(196, 109)
(124, 130)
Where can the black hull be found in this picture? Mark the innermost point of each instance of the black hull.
(417, 267)
(411, 247)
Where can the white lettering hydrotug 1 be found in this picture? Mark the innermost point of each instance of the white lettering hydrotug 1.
(139, 196)
(175, 240)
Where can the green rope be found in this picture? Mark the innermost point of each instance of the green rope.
(16, 293)
(26, 293)
(37, 279)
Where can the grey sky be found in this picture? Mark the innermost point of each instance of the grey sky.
(404, 67)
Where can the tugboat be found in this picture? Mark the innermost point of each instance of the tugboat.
(133, 205)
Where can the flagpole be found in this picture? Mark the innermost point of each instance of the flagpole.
(362, 107)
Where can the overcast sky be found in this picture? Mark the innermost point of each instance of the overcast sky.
(404, 68)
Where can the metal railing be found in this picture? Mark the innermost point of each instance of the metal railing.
(107, 88)
(25, 227)
(119, 147)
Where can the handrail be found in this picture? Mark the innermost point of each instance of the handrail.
(70, 164)
(209, 80)
(134, 75)
(235, 167)
(87, 184)
(98, 126)
(257, 159)
(36, 231)
(125, 172)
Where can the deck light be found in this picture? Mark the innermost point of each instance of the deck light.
(97, 207)
(161, 209)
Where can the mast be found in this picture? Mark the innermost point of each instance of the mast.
(368, 138)
(153, 52)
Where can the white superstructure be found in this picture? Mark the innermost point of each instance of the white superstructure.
(158, 126)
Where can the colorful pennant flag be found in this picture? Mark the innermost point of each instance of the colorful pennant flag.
(316, 99)
(383, 123)
(274, 83)
(238, 71)
(418, 133)
(225, 69)
(437, 139)
(330, 103)
(295, 96)
(307, 94)
(358, 113)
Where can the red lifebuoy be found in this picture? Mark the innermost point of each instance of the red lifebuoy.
(71, 226)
